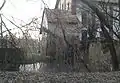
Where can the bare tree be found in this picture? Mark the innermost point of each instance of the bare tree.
(105, 23)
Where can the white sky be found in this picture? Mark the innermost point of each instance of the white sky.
(24, 10)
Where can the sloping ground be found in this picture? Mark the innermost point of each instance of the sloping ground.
(47, 77)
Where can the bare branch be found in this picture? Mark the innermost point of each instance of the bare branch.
(3, 4)
(100, 15)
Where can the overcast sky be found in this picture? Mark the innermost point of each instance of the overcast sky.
(24, 10)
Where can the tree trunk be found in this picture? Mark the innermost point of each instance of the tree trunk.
(103, 20)
(119, 12)
(111, 47)
(100, 15)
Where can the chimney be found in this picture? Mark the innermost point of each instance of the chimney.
(73, 7)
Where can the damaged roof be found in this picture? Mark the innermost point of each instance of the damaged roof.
(55, 15)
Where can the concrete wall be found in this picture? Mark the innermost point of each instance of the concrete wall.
(100, 59)
(59, 44)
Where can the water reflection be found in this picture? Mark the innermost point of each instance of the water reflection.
(32, 67)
